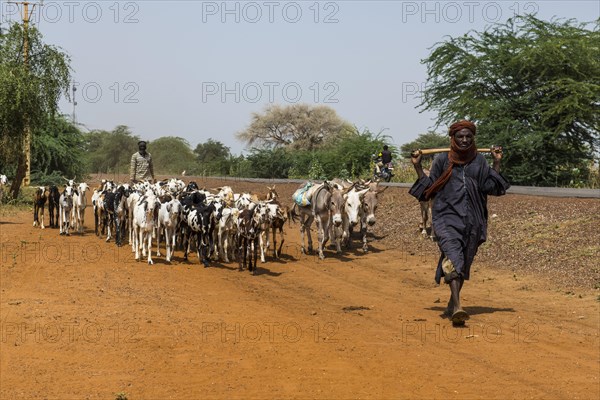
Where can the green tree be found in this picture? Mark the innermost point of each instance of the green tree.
(348, 156)
(429, 140)
(110, 152)
(297, 126)
(29, 94)
(530, 85)
(269, 163)
(352, 152)
(171, 155)
(212, 150)
(57, 147)
(213, 157)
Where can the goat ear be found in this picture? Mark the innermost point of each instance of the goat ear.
(382, 189)
(168, 207)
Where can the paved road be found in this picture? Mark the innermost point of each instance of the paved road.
(526, 190)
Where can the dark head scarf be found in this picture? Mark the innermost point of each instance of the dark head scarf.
(456, 156)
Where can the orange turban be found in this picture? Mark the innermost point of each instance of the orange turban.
(460, 125)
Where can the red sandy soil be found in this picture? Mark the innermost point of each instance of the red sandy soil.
(82, 319)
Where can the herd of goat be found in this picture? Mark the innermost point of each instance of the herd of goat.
(220, 226)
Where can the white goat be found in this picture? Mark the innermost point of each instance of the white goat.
(143, 225)
(65, 207)
(79, 205)
(168, 219)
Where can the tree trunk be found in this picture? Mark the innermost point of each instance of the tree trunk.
(21, 170)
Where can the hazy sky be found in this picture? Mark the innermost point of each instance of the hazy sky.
(199, 69)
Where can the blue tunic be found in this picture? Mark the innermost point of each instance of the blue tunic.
(460, 209)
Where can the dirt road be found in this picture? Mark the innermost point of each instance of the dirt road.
(81, 319)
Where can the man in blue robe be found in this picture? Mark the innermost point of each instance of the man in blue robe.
(460, 182)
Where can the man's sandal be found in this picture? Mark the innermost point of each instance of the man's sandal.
(459, 317)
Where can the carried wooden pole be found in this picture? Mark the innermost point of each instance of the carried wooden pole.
(415, 153)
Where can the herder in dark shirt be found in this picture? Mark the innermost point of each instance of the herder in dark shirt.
(460, 181)
(386, 156)
(384, 159)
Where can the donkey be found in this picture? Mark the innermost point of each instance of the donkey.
(426, 207)
(352, 211)
(319, 210)
(367, 211)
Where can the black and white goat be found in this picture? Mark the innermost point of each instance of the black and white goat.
(39, 202)
(54, 206)
(66, 206)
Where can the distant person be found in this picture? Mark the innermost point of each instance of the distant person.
(141, 168)
(460, 182)
(386, 156)
(384, 159)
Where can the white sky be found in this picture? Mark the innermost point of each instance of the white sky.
(198, 69)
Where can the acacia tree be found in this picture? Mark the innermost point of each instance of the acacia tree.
(29, 94)
(530, 85)
(297, 126)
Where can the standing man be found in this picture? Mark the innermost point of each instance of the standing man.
(460, 181)
(141, 168)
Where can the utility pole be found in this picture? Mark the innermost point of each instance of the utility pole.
(27, 132)
(73, 118)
